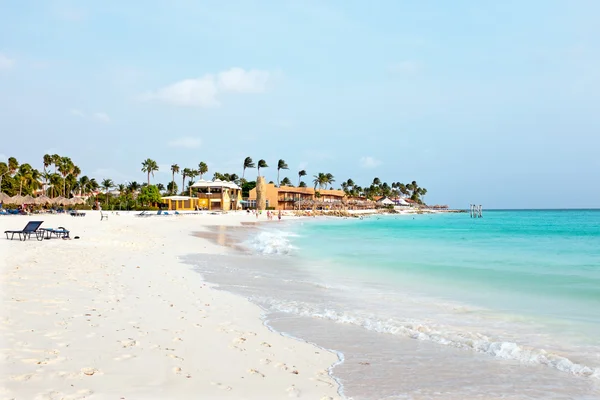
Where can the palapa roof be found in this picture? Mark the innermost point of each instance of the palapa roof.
(217, 183)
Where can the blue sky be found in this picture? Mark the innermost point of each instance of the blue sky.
(486, 102)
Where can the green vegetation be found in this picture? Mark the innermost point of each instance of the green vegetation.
(60, 176)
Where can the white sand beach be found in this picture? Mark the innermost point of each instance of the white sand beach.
(115, 315)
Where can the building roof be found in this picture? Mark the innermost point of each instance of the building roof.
(217, 183)
(176, 198)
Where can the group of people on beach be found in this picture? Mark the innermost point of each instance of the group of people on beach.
(270, 214)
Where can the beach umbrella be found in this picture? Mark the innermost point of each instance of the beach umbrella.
(4, 197)
(17, 200)
(78, 200)
(41, 200)
(28, 200)
(59, 200)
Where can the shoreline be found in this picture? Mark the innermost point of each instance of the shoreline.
(143, 335)
(279, 319)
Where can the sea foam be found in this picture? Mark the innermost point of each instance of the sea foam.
(438, 334)
(273, 242)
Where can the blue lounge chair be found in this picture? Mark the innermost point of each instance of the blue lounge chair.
(32, 227)
(61, 232)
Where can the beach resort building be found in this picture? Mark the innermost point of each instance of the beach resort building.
(207, 195)
(284, 198)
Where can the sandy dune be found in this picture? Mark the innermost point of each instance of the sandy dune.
(114, 315)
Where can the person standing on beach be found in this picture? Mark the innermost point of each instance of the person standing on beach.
(279, 215)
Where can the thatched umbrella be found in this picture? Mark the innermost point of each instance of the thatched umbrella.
(16, 200)
(42, 200)
(60, 201)
(4, 197)
(28, 200)
(77, 200)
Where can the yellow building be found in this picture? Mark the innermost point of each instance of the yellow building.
(283, 198)
(207, 195)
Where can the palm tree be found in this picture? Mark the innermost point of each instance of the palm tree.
(329, 179)
(47, 163)
(202, 169)
(149, 166)
(281, 165)
(174, 170)
(262, 164)
(172, 187)
(13, 165)
(248, 163)
(185, 173)
(301, 173)
(320, 180)
(286, 181)
(302, 184)
(82, 185)
(65, 166)
(160, 187)
(107, 184)
(3, 171)
(24, 175)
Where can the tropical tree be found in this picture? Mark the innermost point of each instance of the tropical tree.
(3, 171)
(174, 170)
(301, 173)
(286, 181)
(329, 179)
(160, 187)
(184, 174)
(172, 187)
(149, 194)
(281, 164)
(107, 184)
(262, 164)
(302, 184)
(149, 166)
(320, 180)
(23, 175)
(133, 186)
(202, 169)
(47, 163)
(248, 163)
(13, 165)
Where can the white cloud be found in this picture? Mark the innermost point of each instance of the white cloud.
(101, 117)
(405, 67)
(97, 116)
(204, 91)
(187, 142)
(369, 162)
(201, 92)
(76, 112)
(6, 62)
(240, 81)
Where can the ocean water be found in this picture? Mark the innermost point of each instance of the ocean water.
(435, 306)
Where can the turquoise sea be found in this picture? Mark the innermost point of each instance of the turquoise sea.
(438, 305)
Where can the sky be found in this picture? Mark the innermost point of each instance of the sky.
(493, 103)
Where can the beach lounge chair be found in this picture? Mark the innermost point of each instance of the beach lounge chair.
(61, 232)
(32, 227)
(103, 215)
(142, 214)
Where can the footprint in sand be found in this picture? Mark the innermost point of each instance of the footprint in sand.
(265, 361)
(124, 357)
(53, 395)
(281, 366)
(21, 378)
(293, 391)
(221, 386)
(89, 371)
(256, 372)
(129, 342)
